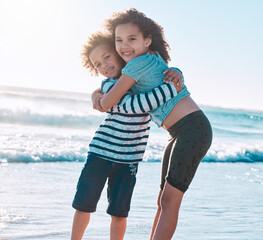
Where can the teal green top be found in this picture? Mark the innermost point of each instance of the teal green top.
(147, 71)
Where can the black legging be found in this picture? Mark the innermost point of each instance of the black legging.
(190, 140)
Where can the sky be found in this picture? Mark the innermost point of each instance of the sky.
(217, 45)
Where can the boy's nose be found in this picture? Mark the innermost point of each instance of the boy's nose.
(104, 64)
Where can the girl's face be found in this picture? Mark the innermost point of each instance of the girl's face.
(129, 41)
(106, 61)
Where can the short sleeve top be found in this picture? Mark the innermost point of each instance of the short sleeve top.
(147, 71)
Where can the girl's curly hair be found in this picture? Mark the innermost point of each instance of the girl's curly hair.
(148, 27)
(94, 40)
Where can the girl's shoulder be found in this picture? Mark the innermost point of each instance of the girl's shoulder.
(145, 60)
(142, 59)
(143, 65)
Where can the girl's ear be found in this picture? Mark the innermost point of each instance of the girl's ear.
(148, 41)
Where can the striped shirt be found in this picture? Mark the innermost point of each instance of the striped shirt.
(122, 136)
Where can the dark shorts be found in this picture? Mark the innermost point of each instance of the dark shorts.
(121, 181)
(190, 139)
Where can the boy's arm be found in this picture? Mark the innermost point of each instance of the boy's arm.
(145, 102)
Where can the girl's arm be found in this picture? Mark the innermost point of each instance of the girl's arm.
(145, 102)
(117, 91)
(125, 82)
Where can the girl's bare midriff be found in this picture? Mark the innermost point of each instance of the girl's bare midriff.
(180, 110)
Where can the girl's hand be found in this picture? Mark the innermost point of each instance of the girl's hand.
(175, 77)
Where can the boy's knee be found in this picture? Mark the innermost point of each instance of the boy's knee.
(118, 219)
(81, 213)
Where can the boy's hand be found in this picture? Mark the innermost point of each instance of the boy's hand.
(175, 77)
(95, 98)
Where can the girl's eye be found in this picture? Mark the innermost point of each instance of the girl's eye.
(118, 40)
(107, 57)
(98, 65)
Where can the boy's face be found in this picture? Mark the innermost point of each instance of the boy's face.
(107, 61)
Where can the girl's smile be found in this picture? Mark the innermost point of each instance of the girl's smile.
(130, 42)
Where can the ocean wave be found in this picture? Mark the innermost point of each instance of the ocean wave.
(27, 117)
(71, 109)
(231, 151)
(85, 116)
(11, 216)
(45, 107)
(242, 132)
(45, 157)
(238, 133)
(42, 95)
(244, 156)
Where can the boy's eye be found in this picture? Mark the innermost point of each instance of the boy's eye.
(132, 39)
(98, 65)
(107, 57)
(118, 40)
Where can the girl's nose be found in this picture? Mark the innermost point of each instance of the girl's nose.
(124, 45)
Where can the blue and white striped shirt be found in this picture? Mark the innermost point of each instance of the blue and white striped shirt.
(122, 137)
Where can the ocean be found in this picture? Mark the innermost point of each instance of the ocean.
(43, 144)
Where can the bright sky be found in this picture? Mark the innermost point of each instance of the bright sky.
(217, 44)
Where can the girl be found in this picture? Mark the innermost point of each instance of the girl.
(140, 42)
